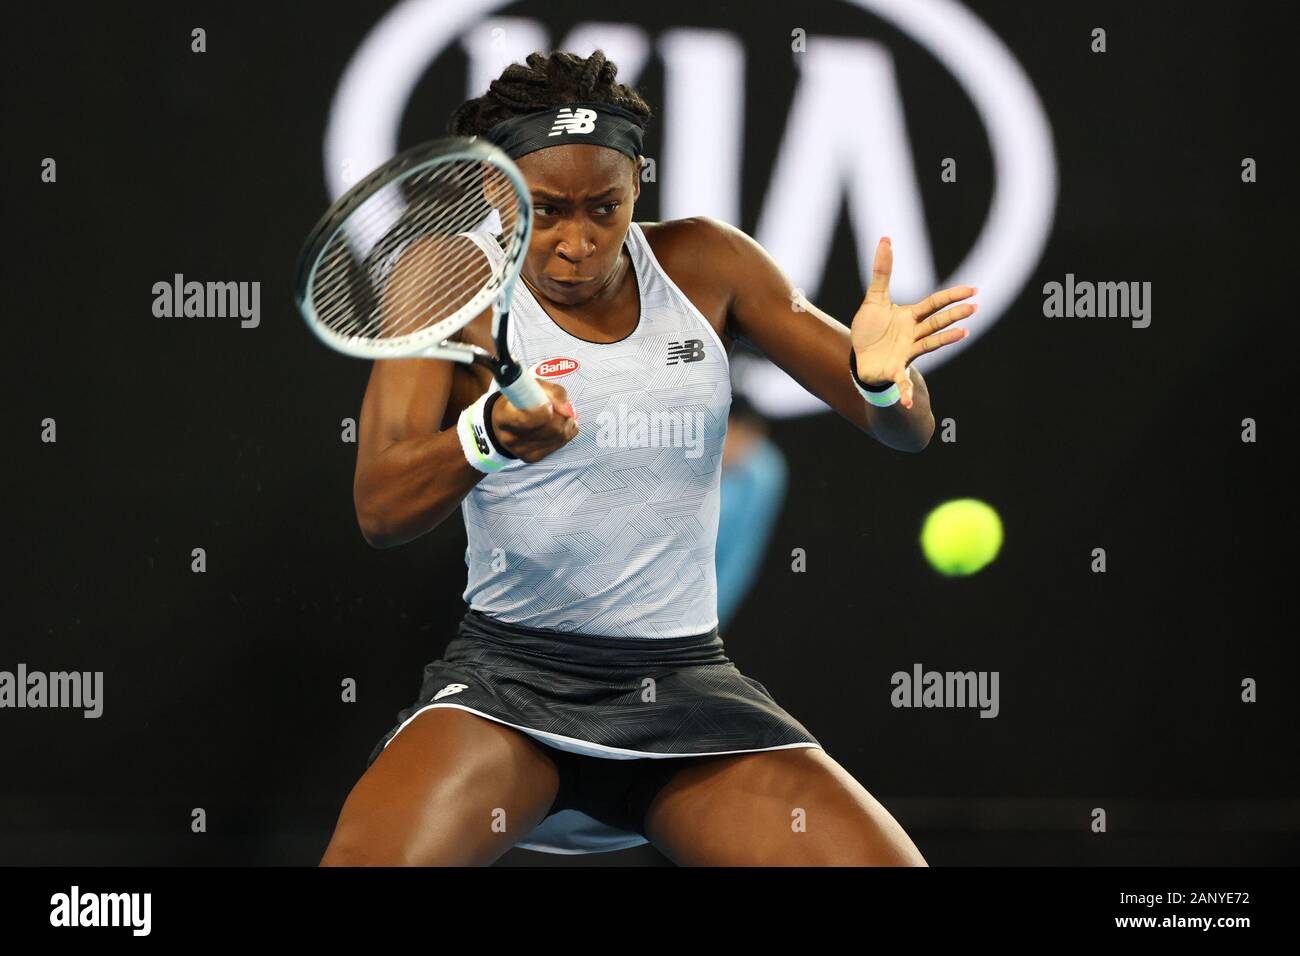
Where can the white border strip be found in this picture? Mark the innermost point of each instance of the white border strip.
(600, 750)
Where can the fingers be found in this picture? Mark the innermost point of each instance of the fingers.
(568, 422)
(562, 411)
(554, 392)
(937, 341)
(929, 334)
(530, 417)
(905, 387)
(878, 292)
(560, 399)
(945, 319)
(534, 433)
(935, 301)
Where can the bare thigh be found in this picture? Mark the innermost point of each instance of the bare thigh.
(794, 807)
(452, 789)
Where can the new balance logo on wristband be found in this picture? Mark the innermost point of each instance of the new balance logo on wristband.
(692, 350)
(473, 429)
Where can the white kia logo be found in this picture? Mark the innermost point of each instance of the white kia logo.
(833, 154)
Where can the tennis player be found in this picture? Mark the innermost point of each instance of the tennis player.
(586, 703)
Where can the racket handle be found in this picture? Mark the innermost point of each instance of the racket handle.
(524, 392)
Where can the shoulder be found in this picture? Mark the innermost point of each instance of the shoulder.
(704, 259)
(688, 239)
(704, 253)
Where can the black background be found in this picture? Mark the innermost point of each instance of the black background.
(1119, 690)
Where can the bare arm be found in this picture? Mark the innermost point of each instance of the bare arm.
(411, 472)
(410, 475)
(813, 348)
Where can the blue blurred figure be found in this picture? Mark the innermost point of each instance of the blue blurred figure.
(754, 476)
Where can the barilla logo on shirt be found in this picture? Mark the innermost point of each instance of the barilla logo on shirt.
(554, 368)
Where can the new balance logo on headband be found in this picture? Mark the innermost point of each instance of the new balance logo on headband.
(574, 121)
(692, 350)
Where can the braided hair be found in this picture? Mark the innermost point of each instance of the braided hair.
(546, 80)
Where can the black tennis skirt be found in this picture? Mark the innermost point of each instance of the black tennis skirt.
(609, 697)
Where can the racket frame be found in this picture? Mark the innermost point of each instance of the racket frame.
(515, 380)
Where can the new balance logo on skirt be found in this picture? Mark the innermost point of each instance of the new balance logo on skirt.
(692, 350)
(574, 121)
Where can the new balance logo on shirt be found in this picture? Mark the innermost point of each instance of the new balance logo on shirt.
(578, 120)
(691, 350)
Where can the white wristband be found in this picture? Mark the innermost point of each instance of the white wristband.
(475, 441)
(889, 396)
(880, 399)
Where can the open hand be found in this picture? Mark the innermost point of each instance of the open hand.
(888, 337)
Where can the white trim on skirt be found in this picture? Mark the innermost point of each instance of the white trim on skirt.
(571, 831)
(590, 748)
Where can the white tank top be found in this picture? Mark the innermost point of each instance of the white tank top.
(613, 534)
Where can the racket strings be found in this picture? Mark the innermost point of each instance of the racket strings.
(438, 201)
(441, 278)
(423, 270)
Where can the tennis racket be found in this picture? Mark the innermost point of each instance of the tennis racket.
(415, 252)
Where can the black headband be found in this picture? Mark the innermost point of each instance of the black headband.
(599, 124)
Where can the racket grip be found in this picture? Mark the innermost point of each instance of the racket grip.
(524, 392)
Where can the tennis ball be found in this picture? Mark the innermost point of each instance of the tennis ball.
(961, 536)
